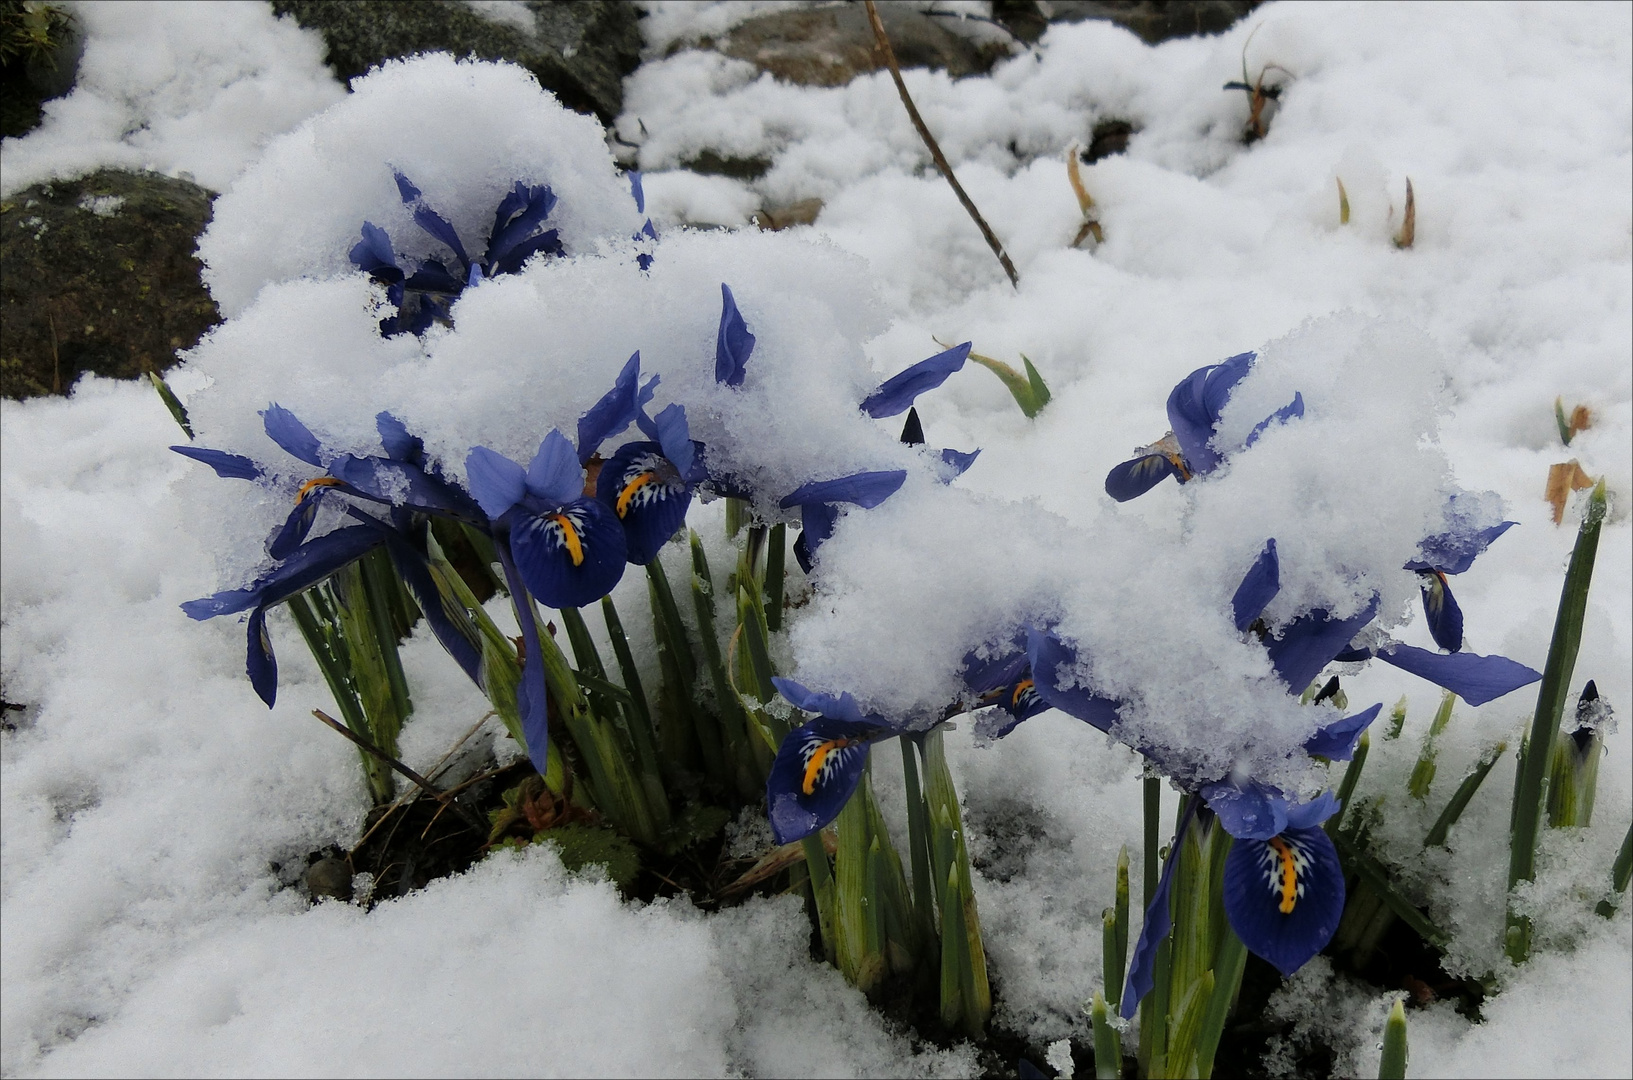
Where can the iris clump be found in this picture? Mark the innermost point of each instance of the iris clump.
(423, 290)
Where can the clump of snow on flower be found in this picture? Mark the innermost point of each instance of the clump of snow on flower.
(463, 132)
(1145, 589)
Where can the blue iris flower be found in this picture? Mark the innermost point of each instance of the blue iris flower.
(819, 764)
(1283, 883)
(1451, 552)
(1305, 646)
(424, 291)
(1024, 680)
(568, 548)
(819, 502)
(403, 480)
(648, 483)
(1194, 408)
(1286, 920)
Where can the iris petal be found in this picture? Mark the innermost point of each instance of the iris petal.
(399, 445)
(555, 475)
(497, 482)
(1284, 895)
(1195, 404)
(1475, 679)
(1248, 811)
(959, 461)
(1440, 609)
(1292, 410)
(1454, 552)
(1048, 654)
(734, 344)
(615, 411)
(636, 191)
(295, 527)
(668, 429)
(532, 695)
(260, 664)
(643, 489)
(284, 429)
(1134, 478)
(1143, 961)
(1258, 587)
(306, 566)
(373, 254)
(836, 707)
(1337, 740)
(227, 466)
(897, 393)
(866, 489)
(815, 772)
(1310, 642)
(571, 556)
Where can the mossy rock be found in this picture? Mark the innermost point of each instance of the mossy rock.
(98, 274)
(1152, 20)
(579, 50)
(583, 846)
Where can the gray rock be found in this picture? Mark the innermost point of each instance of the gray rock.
(830, 46)
(1152, 20)
(98, 274)
(580, 50)
(329, 877)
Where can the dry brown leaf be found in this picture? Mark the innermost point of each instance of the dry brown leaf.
(1581, 420)
(1409, 221)
(1564, 478)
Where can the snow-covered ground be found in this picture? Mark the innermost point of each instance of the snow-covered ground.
(147, 792)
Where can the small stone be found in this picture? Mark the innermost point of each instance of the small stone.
(330, 877)
(830, 46)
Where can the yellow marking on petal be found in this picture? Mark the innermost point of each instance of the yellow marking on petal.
(312, 485)
(1289, 874)
(569, 537)
(631, 488)
(818, 757)
(1178, 462)
(1020, 689)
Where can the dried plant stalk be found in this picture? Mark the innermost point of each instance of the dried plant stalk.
(935, 150)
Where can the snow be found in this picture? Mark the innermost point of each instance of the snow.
(147, 793)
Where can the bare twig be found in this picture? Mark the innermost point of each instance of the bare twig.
(419, 781)
(935, 150)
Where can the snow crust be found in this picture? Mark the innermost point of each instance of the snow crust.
(147, 795)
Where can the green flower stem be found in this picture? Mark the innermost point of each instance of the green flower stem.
(966, 995)
(313, 616)
(822, 890)
(751, 617)
(1186, 1022)
(1423, 772)
(1460, 798)
(1230, 960)
(1108, 1050)
(1392, 1064)
(1556, 677)
(918, 842)
(1573, 781)
(1346, 786)
(1114, 934)
(1620, 871)
(696, 733)
(775, 556)
(737, 755)
(861, 957)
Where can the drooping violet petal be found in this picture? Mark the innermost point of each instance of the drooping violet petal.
(1259, 586)
(896, 394)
